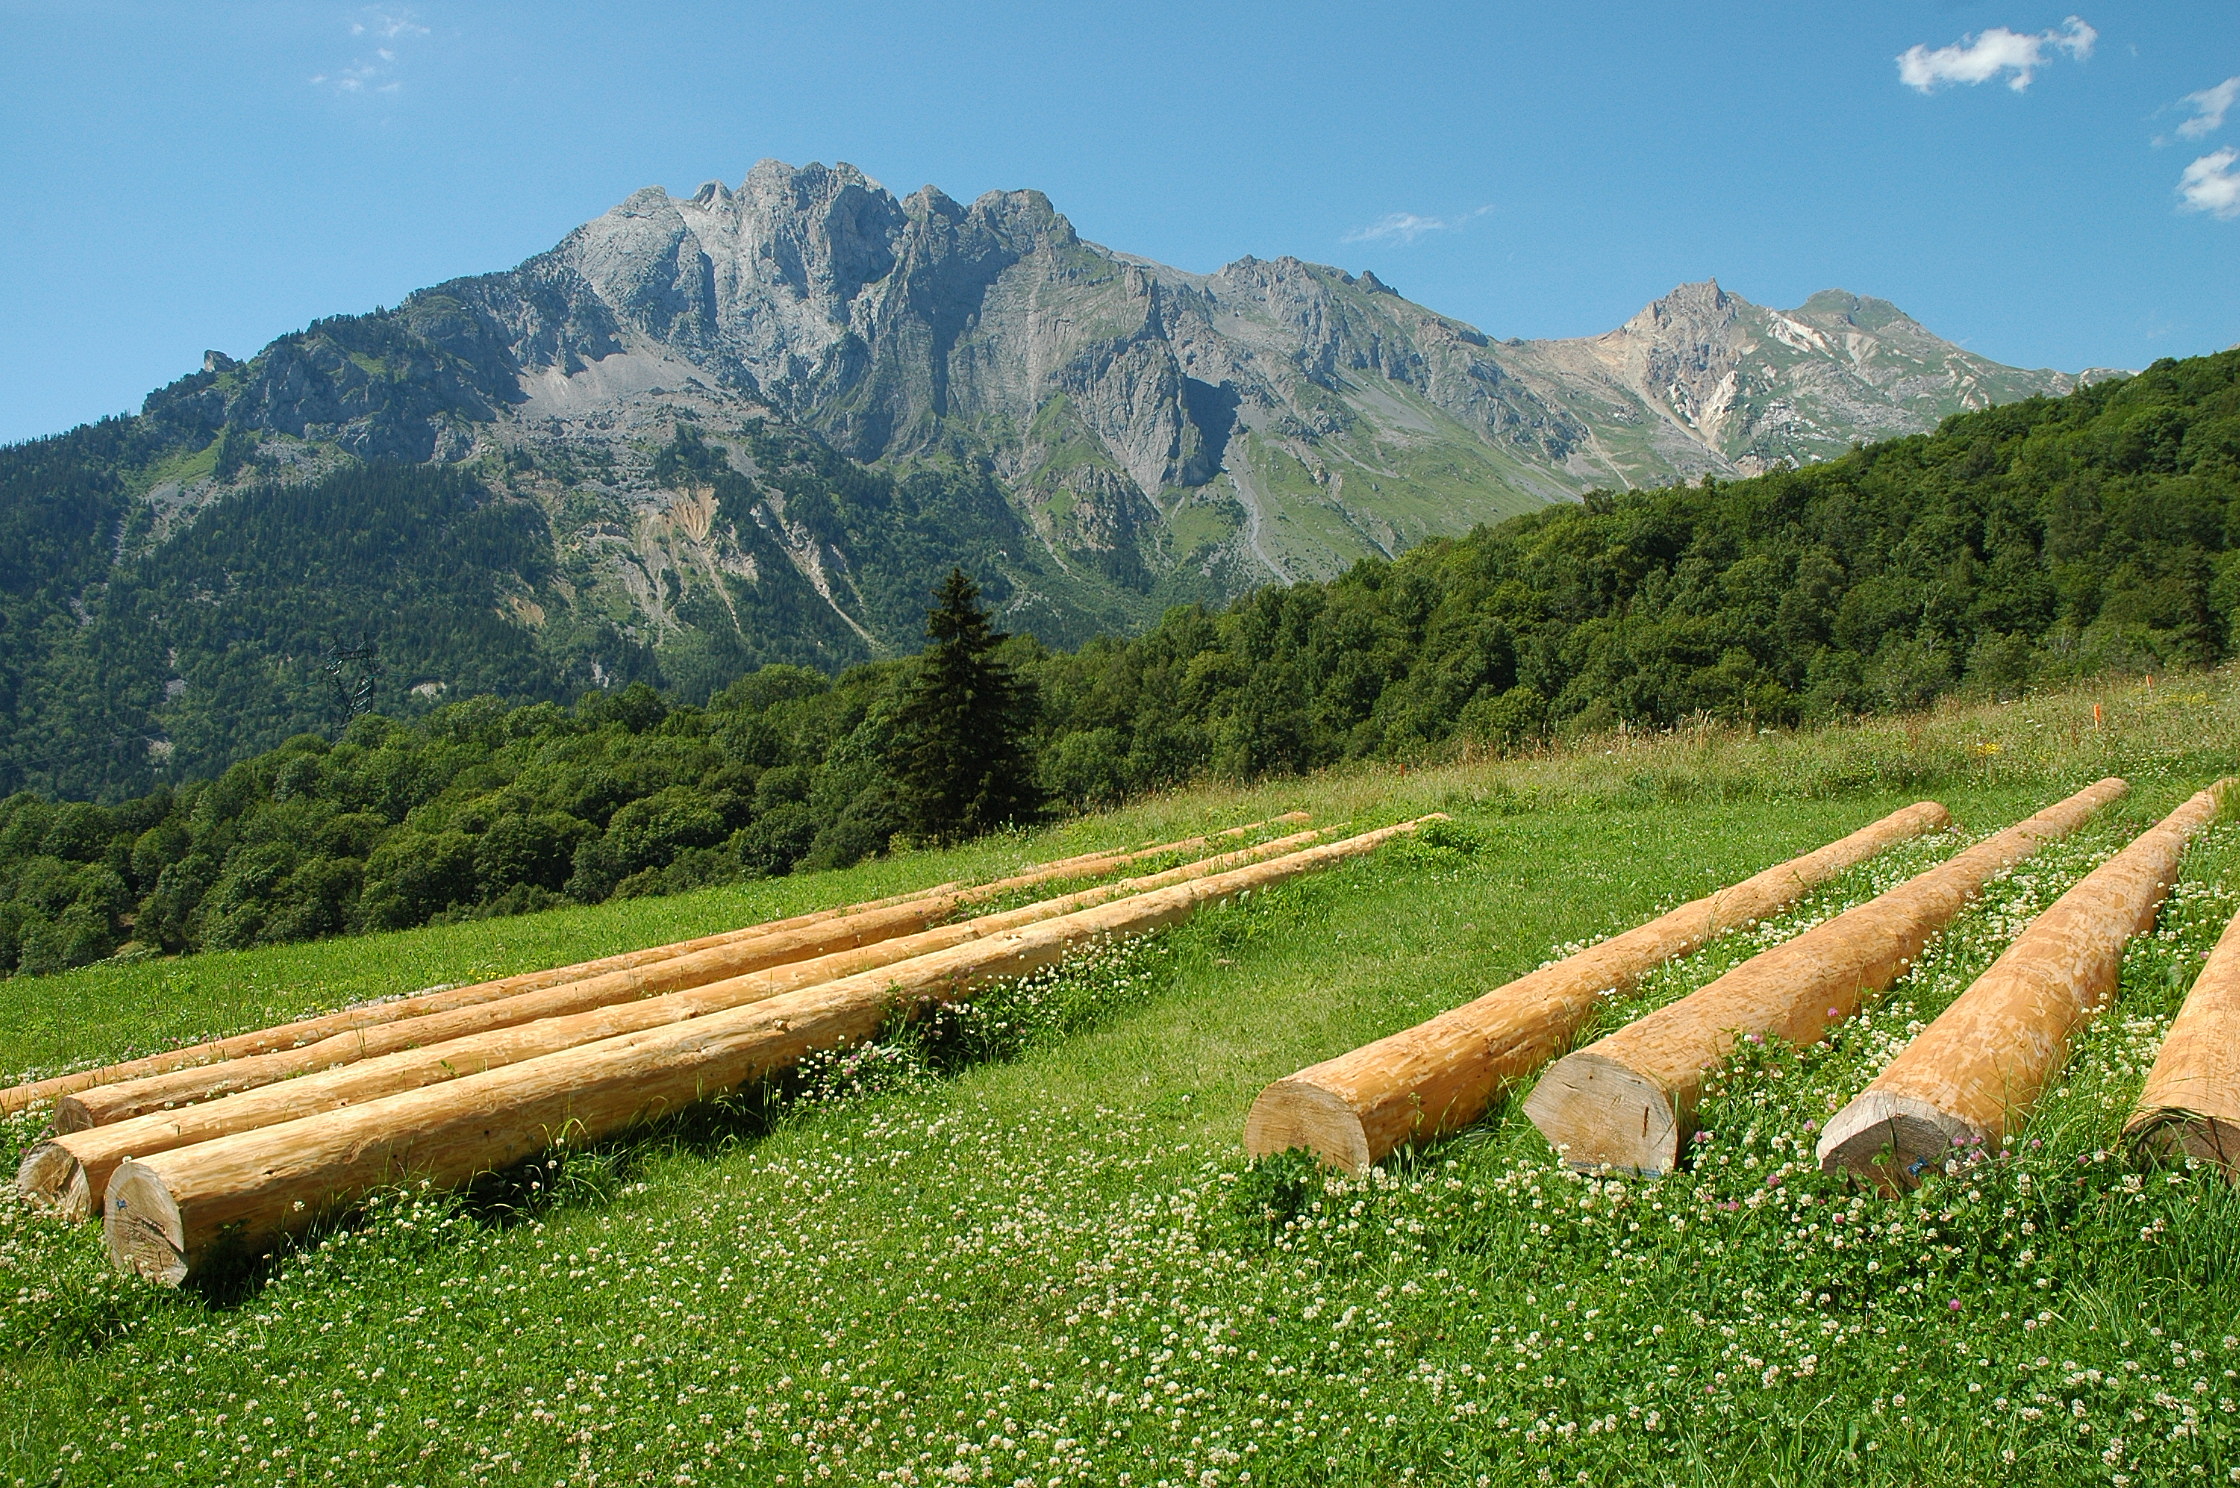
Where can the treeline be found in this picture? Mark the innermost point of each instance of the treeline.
(475, 809)
(2026, 544)
(479, 809)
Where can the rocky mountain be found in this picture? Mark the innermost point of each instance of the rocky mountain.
(752, 424)
(1707, 382)
(1173, 434)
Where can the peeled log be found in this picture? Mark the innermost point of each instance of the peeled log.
(367, 1015)
(164, 1216)
(372, 1014)
(66, 1174)
(106, 1104)
(1442, 1074)
(2190, 1105)
(1628, 1101)
(1971, 1076)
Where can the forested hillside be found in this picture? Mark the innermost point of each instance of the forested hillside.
(2051, 538)
(2041, 541)
(133, 656)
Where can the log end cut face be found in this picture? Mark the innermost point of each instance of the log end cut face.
(71, 1114)
(141, 1225)
(1298, 1113)
(52, 1181)
(1600, 1114)
(2178, 1134)
(1894, 1141)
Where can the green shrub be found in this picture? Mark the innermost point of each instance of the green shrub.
(414, 875)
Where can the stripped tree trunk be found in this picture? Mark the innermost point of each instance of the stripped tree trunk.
(1442, 1074)
(1969, 1079)
(1628, 1101)
(2190, 1105)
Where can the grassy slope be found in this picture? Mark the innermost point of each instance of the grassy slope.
(1039, 1264)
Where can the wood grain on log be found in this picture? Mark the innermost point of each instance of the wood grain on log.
(2190, 1105)
(164, 1215)
(67, 1174)
(1628, 1101)
(1442, 1074)
(1968, 1080)
(305, 1031)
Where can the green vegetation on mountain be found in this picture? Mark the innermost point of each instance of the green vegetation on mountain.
(179, 657)
(133, 656)
(2043, 540)
(2034, 543)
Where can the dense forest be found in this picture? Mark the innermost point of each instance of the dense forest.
(2039, 541)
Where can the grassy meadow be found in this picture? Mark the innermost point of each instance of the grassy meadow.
(1021, 1245)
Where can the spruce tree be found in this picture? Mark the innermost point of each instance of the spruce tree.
(960, 751)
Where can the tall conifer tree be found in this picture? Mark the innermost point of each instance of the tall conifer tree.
(961, 731)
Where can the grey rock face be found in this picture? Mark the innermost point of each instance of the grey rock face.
(1737, 387)
(1161, 434)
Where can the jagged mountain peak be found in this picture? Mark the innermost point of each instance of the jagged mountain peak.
(1685, 304)
(1736, 387)
(1155, 435)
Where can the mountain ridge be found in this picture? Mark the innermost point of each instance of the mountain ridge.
(756, 423)
(895, 328)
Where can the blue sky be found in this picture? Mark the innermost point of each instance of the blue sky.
(180, 177)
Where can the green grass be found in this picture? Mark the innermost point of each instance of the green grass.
(1023, 1244)
(186, 466)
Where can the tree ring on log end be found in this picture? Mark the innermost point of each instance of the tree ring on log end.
(1598, 1113)
(1297, 1113)
(43, 1179)
(2172, 1131)
(141, 1225)
(1894, 1141)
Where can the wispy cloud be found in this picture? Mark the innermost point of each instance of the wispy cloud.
(2211, 185)
(374, 74)
(2209, 106)
(1408, 226)
(387, 26)
(1979, 59)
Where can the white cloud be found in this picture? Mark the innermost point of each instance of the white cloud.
(2211, 185)
(387, 26)
(1408, 226)
(1979, 59)
(2209, 106)
(375, 74)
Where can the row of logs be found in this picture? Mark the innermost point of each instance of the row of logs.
(826, 929)
(1626, 1102)
(66, 1174)
(232, 1145)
